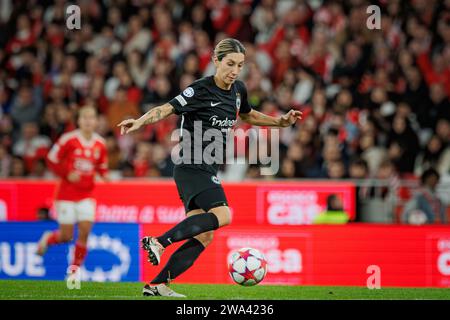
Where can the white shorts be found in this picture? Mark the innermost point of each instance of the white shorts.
(71, 212)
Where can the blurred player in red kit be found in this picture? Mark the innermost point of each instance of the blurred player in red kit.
(76, 158)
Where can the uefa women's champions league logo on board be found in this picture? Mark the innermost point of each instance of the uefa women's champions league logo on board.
(238, 100)
(106, 245)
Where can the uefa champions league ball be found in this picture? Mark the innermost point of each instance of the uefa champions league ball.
(247, 266)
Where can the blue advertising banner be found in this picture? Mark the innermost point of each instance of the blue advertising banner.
(113, 253)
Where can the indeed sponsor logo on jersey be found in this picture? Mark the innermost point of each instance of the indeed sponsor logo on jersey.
(222, 123)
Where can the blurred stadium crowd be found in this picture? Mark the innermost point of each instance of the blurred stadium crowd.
(376, 102)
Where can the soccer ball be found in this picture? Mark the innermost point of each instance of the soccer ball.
(247, 266)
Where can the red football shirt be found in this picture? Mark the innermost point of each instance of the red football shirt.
(72, 152)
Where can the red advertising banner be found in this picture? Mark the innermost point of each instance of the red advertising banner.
(405, 256)
(438, 246)
(297, 204)
(157, 202)
(21, 199)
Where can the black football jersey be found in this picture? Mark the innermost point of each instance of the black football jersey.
(208, 113)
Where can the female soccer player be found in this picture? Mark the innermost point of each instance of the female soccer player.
(76, 158)
(209, 103)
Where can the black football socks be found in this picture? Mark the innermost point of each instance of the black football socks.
(189, 228)
(180, 261)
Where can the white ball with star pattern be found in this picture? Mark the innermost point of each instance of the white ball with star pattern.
(247, 266)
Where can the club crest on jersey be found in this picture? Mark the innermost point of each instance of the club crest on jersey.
(97, 153)
(215, 180)
(188, 92)
(238, 101)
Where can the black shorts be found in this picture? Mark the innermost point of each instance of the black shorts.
(198, 188)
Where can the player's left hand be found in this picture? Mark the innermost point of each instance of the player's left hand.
(290, 118)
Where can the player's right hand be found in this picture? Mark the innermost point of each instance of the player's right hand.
(129, 125)
(73, 176)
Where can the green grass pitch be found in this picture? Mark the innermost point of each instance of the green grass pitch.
(57, 290)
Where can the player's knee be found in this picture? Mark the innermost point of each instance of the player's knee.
(225, 218)
(205, 238)
(223, 215)
(66, 237)
(83, 236)
(226, 221)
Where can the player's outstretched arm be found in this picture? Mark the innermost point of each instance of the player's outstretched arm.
(260, 119)
(153, 115)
